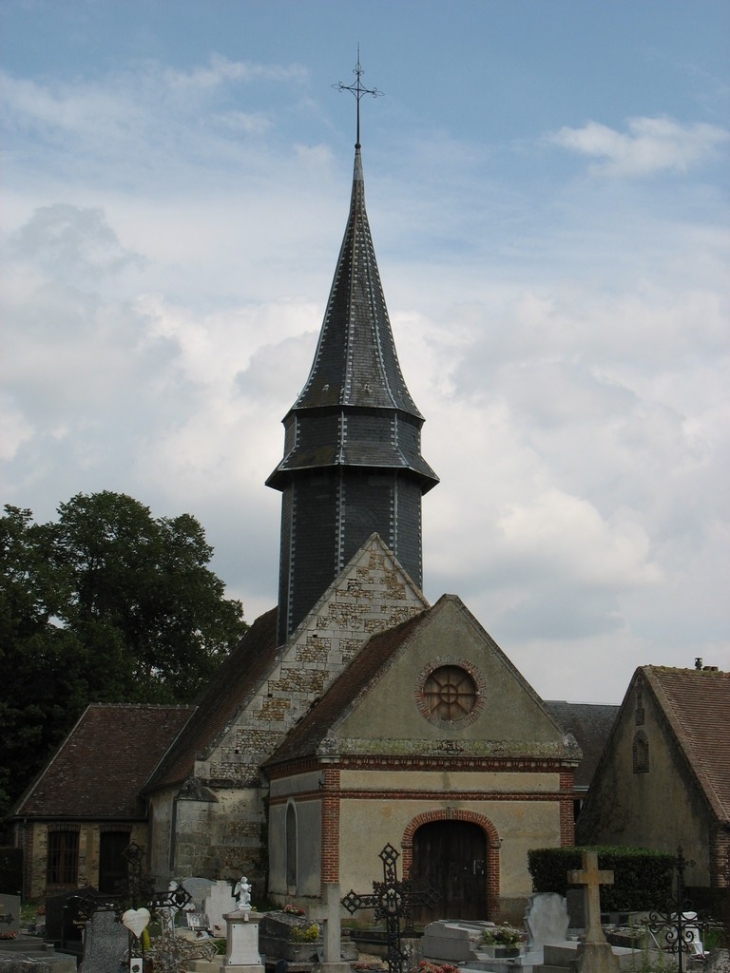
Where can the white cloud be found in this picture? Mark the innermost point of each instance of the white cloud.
(167, 281)
(651, 145)
(222, 70)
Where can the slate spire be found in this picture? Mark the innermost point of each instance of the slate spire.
(352, 459)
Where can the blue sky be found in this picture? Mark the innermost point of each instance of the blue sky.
(547, 189)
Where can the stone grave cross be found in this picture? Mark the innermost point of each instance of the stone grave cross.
(391, 900)
(591, 878)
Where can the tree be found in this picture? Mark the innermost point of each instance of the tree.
(108, 604)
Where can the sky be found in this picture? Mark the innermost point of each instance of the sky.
(547, 189)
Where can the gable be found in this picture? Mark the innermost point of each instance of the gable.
(262, 690)
(380, 704)
(505, 716)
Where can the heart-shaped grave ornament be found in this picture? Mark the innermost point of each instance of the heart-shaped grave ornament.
(136, 920)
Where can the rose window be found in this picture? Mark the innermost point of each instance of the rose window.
(449, 693)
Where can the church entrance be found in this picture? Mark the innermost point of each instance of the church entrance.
(451, 858)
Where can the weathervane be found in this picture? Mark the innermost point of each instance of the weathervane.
(358, 91)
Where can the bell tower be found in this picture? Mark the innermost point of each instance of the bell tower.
(352, 448)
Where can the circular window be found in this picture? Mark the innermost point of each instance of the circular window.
(449, 693)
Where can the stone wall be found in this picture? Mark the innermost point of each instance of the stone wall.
(35, 845)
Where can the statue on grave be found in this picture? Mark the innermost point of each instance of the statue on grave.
(243, 891)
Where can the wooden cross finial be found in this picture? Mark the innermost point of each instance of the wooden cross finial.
(591, 878)
(358, 91)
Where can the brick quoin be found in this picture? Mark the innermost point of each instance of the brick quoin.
(567, 817)
(493, 844)
(330, 870)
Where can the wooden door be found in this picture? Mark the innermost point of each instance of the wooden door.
(451, 858)
(112, 863)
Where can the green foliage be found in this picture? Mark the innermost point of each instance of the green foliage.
(305, 934)
(107, 604)
(642, 877)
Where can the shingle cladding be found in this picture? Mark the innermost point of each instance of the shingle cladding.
(352, 460)
(80, 782)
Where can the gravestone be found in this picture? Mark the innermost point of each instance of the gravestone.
(546, 921)
(9, 914)
(595, 954)
(106, 942)
(218, 903)
(199, 888)
(62, 916)
(331, 925)
(198, 922)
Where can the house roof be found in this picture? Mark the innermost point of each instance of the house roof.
(229, 689)
(590, 724)
(696, 703)
(81, 782)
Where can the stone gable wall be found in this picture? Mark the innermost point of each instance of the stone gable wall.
(371, 595)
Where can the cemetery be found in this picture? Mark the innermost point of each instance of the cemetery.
(204, 926)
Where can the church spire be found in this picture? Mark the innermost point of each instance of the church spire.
(352, 461)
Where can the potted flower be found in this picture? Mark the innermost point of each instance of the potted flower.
(502, 940)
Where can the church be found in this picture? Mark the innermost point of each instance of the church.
(352, 715)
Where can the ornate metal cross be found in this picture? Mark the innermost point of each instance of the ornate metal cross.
(391, 900)
(358, 91)
(680, 925)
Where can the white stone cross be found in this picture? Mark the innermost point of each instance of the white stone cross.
(591, 878)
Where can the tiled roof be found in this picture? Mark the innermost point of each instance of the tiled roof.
(696, 703)
(303, 740)
(590, 724)
(100, 768)
(232, 684)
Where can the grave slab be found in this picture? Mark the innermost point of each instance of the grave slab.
(453, 941)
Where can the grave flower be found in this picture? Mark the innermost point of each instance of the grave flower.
(425, 966)
(504, 935)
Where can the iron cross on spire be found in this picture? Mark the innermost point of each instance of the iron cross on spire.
(358, 91)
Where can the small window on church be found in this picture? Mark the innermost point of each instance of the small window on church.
(291, 849)
(449, 693)
(641, 753)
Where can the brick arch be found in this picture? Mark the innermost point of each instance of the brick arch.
(471, 817)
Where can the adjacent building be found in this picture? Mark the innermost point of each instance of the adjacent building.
(663, 780)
